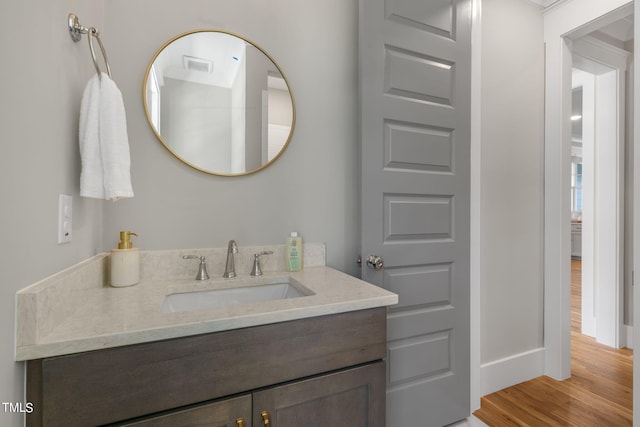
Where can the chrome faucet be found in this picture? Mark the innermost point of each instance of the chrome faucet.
(202, 269)
(256, 270)
(230, 269)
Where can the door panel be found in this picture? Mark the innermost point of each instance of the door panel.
(412, 146)
(415, 121)
(350, 398)
(419, 286)
(419, 357)
(232, 412)
(434, 16)
(411, 217)
(417, 77)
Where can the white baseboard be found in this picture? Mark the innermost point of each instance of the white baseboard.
(511, 370)
(521, 367)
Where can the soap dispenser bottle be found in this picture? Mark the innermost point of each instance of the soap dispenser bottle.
(294, 252)
(125, 262)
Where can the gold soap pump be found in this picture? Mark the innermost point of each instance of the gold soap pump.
(125, 262)
(125, 240)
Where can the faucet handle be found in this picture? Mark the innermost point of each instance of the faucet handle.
(202, 270)
(256, 270)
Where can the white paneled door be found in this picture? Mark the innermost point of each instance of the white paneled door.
(415, 68)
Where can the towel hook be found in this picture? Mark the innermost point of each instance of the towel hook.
(76, 30)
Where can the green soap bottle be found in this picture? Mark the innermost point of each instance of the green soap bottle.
(294, 252)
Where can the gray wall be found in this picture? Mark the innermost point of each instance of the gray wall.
(43, 76)
(512, 167)
(312, 188)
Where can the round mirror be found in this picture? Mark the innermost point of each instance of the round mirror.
(218, 102)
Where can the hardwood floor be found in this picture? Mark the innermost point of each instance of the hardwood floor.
(599, 392)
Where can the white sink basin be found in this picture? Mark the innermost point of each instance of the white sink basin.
(284, 288)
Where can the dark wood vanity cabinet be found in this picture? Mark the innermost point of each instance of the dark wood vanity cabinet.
(350, 398)
(233, 412)
(327, 370)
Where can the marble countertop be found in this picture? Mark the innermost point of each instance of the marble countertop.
(101, 317)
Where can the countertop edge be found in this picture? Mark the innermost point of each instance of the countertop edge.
(102, 342)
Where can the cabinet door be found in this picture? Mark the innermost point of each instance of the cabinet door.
(350, 398)
(234, 412)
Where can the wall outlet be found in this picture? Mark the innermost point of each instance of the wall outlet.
(65, 218)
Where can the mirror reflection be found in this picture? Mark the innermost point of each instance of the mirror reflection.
(218, 102)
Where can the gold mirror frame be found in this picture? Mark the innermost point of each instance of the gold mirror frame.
(182, 158)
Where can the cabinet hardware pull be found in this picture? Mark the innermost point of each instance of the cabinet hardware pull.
(265, 419)
(240, 422)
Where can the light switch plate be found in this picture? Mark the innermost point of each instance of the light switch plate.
(65, 218)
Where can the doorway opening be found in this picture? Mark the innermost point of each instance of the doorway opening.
(599, 131)
(566, 29)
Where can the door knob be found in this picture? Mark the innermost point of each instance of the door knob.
(375, 262)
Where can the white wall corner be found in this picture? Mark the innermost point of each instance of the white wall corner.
(628, 332)
(537, 2)
(476, 208)
(547, 3)
(511, 370)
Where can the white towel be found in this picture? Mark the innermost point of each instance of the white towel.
(104, 144)
(91, 176)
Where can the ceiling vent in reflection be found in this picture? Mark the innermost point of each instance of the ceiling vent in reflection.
(197, 64)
